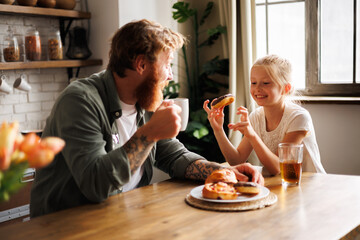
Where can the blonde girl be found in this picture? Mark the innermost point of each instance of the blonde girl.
(275, 121)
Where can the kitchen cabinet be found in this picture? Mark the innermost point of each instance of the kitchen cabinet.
(65, 17)
(17, 208)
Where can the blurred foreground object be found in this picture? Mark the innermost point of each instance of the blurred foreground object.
(18, 152)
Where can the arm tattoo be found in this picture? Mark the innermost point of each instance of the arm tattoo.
(201, 169)
(137, 148)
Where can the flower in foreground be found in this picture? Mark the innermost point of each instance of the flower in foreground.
(8, 135)
(18, 152)
(17, 148)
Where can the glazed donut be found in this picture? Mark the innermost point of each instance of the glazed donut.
(247, 188)
(222, 101)
(220, 190)
(221, 175)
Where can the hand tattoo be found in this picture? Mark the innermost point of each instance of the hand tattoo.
(201, 169)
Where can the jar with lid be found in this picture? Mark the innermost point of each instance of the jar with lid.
(11, 49)
(55, 49)
(32, 45)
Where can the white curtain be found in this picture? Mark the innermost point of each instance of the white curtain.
(239, 47)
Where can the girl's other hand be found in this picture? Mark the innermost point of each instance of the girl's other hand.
(244, 113)
(215, 116)
(244, 125)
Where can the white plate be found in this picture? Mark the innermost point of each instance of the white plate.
(197, 193)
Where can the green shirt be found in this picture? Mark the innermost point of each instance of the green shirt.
(92, 166)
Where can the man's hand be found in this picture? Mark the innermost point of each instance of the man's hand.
(164, 123)
(245, 172)
(201, 169)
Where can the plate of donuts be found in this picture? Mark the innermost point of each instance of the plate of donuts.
(197, 193)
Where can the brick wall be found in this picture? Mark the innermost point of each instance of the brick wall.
(31, 108)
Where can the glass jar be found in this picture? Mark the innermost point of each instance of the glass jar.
(55, 49)
(11, 49)
(32, 45)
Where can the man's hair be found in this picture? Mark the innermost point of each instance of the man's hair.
(141, 37)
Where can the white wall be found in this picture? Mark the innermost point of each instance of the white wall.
(338, 136)
(110, 15)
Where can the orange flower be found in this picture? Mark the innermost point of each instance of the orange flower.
(18, 152)
(44, 152)
(8, 136)
(17, 148)
(55, 144)
(30, 141)
(40, 152)
(40, 157)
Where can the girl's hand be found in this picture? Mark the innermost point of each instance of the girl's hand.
(244, 125)
(215, 116)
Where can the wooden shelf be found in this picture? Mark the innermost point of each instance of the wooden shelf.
(50, 64)
(62, 15)
(39, 11)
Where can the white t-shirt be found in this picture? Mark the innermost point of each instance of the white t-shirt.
(126, 125)
(295, 118)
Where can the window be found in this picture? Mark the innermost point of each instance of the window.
(319, 37)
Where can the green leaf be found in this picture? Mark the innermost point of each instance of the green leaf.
(183, 12)
(10, 180)
(197, 127)
(207, 12)
(199, 116)
(218, 29)
(214, 34)
(212, 86)
(216, 65)
(171, 90)
(202, 132)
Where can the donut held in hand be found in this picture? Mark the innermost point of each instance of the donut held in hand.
(247, 188)
(222, 101)
(219, 190)
(222, 175)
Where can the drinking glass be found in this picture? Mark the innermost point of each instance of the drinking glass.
(291, 157)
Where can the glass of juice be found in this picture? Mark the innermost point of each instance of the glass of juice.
(291, 157)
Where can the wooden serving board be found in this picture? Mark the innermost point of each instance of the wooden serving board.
(232, 207)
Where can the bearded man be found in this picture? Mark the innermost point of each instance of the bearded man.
(116, 127)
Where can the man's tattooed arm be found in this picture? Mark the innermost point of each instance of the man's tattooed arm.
(138, 148)
(201, 169)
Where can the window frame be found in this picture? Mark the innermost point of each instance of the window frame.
(312, 52)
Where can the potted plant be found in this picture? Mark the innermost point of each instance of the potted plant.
(199, 136)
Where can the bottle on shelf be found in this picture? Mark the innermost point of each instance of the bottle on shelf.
(33, 45)
(11, 50)
(55, 49)
(78, 47)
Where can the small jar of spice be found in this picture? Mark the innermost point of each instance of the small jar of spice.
(55, 49)
(11, 49)
(33, 45)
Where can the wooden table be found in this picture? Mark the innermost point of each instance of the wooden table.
(323, 207)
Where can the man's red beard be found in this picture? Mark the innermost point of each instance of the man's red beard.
(149, 94)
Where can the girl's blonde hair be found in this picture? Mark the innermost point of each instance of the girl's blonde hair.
(278, 69)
